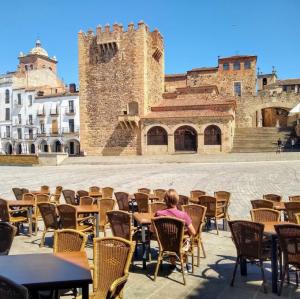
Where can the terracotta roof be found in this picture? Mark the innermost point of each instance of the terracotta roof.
(175, 75)
(203, 69)
(288, 81)
(187, 113)
(234, 57)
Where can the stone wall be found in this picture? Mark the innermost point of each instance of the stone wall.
(22, 160)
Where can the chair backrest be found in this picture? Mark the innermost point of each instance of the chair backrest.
(112, 258)
(183, 200)
(247, 237)
(144, 190)
(68, 216)
(57, 194)
(157, 206)
(4, 211)
(122, 200)
(25, 190)
(120, 223)
(107, 192)
(28, 196)
(297, 216)
(294, 198)
(69, 196)
(169, 232)
(195, 194)
(7, 234)
(265, 215)
(94, 189)
(105, 205)
(262, 203)
(272, 197)
(49, 214)
(69, 240)
(18, 193)
(81, 193)
(197, 214)
(289, 241)
(142, 201)
(12, 290)
(45, 189)
(222, 195)
(86, 201)
(210, 203)
(292, 208)
(160, 193)
(42, 198)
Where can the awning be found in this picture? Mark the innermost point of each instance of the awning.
(295, 110)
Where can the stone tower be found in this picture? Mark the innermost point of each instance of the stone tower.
(121, 75)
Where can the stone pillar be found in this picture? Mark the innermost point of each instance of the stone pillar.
(259, 119)
(171, 144)
(49, 148)
(200, 143)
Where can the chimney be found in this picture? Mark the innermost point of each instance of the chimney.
(72, 88)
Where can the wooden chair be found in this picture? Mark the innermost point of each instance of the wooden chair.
(157, 206)
(292, 208)
(55, 197)
(262, 204)
(107, 192)
(69, 219)
(289, 241)
(50, 218)
(272, 197)
(160, 194)
(144, 190)
(183, 200)
(265, 215)
(195, 194)
(69, 240)
(7, 234)
(122, 201)
(169, 232)
(214, 211)
(142, 201)
(105, 205)
(69, 196)
(248, 239)
(112, 257)
(294, 198)
(197, 214)
(45, 189)
(224, 197)
(12, 290)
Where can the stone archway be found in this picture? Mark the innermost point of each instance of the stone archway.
(185, 138)
(32, 148)
(8, 149)
(57, 146)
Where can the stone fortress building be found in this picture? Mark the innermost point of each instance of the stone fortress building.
(129, 106)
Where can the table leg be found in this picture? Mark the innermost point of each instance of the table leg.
(29, 214)
(274, 263)
(243, 266)
(144, 247)
(85, 292)
(96, 215)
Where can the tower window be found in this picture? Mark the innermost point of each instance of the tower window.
(226, 66)
(237, 66)
(7, 95)
(247, 65)
(237, 89)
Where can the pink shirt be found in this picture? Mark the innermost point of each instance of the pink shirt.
(174, 212)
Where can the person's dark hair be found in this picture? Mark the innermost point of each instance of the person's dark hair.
(171, 198)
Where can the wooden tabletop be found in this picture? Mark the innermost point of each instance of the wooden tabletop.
(37, 271)
(270, 226)
(20, 203)
(88, 209)
(143, 218)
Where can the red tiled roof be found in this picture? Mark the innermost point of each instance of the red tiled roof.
(234, 57)
(203, 69)
(288, 81)
(175, 75)
(187, 113)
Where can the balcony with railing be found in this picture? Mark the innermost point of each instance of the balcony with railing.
(41, 113)
(70, 111)
(54, 112)
(70, 130)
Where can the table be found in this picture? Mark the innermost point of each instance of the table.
(92, 209)
(27, 204)
(279, 206)
(152, 197)
(144, 219)
(48, 271)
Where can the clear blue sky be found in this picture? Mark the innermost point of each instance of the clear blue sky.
(195, 31)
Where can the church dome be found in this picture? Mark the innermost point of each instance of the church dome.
(38, 50)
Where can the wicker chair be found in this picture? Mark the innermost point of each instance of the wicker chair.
(69, 196)
(224, 197)
(272, 197)
(142, 200)
(121, 224)
(122, 201)
(112, 257)
(55, 197)
(262, 204)
(86, 201)
(183, 200)
(169, 232)
(50, 218)
(18, 193)
(94, 190)
(294, 198)
(289, 241)
(105, 205)
(7, 234)
(69, 240)
(265, 215)
(107, 192)
(292, 208)
(157, 206)
(144, 190)
(69, 219)
(197, 214)
(45, 189)
(81, 193)
(28, 196)
(248, 239)
(213, 209)
(160, 194)
(39, 198)
(11, 290)
(195, 194)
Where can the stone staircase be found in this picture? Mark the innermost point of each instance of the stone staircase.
(255, 140)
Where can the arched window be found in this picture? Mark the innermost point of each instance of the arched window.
(7, 95)
(157, 136)
(32, 148)
(212, 135)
